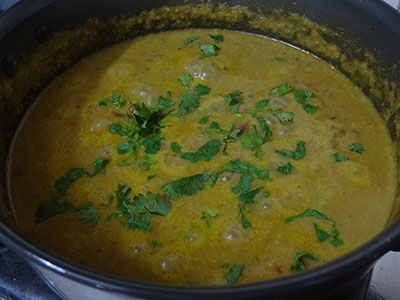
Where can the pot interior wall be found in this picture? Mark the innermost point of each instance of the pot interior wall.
(63, 34)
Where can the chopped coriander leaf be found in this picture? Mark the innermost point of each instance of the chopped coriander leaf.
(175, 147)
(284, 117)
(208, 50)
(217, 38)
(205, 153)
(281, 90)
(286, 169)
(214, 125)
(104, 102)
(266, 133)
(299, 264)
(154, 204)
(251, 140)
(335, 241)
(128, 147)
(150, 177)
(321, 235)
(303, 97)
(339, 158)
(212, 9)
(233, 274)
(133, 220)
(117, 100)
(89, 214)
(121, 128)
(234, 101)
(191, 40)
(244, 184)
(213, 178)
(189, 101)
(164, 103)
(248, 197)
(99, 166)
(262, 173)
(358, 148)
(204, 120)
(299, 153)
(148, 161)
(278, 59)
(309, 213)
(154, 244)
(202, 90)
(245, 223)
(237, 166)
(265, 194)
(209, 214)
(185, 79)
(51, 208)
(152, 144)
(261, 104)
(186, 186)
(63, 183)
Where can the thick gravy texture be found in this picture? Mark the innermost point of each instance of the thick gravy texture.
(219, 157)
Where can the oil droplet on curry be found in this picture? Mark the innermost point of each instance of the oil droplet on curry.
(202, 157)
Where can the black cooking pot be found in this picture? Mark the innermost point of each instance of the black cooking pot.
(39, 39)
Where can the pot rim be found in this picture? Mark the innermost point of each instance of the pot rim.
(366, 254)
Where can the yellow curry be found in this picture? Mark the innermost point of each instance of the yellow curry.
(202, 157)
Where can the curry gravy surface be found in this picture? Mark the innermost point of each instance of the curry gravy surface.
(67, 128)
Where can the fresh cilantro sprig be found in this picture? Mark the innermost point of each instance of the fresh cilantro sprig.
(208, 214)
(233, 274)
(186, 186)
(299, 264)
(205, 153)
(89, 214)
(299, 153)
(53, 207)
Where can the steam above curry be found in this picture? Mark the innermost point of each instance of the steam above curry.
(202, 157)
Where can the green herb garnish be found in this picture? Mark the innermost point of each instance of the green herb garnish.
(299, 153)
(89, 214)
(191, 40)
(245, 223)
(152, 144)
(321, 235)
(175, 147)
(186, 186)
(204, 120)
(244, 184)
(358, 148)
(309, 213)
(234, 101)
(233, 274)
(286, 169)
(208, 50)
(217, 38)
(204, 153)
(116, 100)
(248, 197)
(284, 117)
(185, 79)
(209, 214)
(104, 102)
(339, 158)
(299, 264)
(281, 90)
(303, 98)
